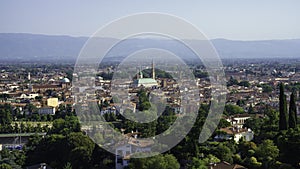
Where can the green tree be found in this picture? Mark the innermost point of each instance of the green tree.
(57, 149)
(167, 161)
(283, 125)
(289, 145)
(65, 126)
(223, 153)
(144, 103)
(232, 81)
(223, 123)
(244, 83)
(5, 114)
(202, 163)
(254, 123)
(231, 109)
(267, 88)
(292, 112)
(267, 152)
(5, 166)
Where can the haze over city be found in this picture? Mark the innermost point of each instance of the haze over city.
(231, 19)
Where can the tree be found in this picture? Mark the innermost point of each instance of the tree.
(289, 145)
(292, 112)
(203, 163)
(65, 126)
(254, 123)
(267, 88)
(267, 152)
(283, 125)
(144, 103)
(240, 103)
(244, 83)
(5, 166)
(232, 81)
(223, 153)
(5, 117)
(57, 149)
(251, 109)
(231, 109)
(167, 161)
(223, 123)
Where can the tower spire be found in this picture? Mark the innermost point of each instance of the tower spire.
(28, 76)
(153, 70)
(141, 73)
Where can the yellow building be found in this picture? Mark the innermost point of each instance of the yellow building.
(52, 102)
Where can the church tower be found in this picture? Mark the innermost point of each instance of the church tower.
(141, 73)
(153, 70)
(30, 85)
(28, 76)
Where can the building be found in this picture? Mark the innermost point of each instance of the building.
(134, 145)
(43, 88)
(235, 133)
(146, 82)
(238, 120)
(52, 102)
(28, 96)
(47, 110)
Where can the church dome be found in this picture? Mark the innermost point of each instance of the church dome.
(65, 80)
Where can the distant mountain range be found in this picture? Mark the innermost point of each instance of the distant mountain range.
(34, 47)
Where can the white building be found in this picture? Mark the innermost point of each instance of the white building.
(28, 96)
(235, 133)
(238, 120)
(134, 145)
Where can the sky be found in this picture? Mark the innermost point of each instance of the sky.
(229, 19)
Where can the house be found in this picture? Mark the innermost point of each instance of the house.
(235, 133)
(52, 102)
(238, 120)
(28, 96)
(134, 145)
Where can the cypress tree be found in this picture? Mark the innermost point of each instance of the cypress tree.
(296, 117)
(292, 112)
(282, 109)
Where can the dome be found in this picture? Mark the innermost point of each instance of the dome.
(65, 80)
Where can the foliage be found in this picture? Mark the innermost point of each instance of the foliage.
(283, 125)
(65, 126)
(232, 81)
(167, 161)
(144, 103)
(231, 109)
(198, 163)
(5, 166)
(293, 112)
(223, 123)
(266, 88)
(267, 152)
(244, 83)
(200, 74)
(289, 145)
(254, 123)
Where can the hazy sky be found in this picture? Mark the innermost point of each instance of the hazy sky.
(230, 19)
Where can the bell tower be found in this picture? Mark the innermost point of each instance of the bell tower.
(153, 70)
